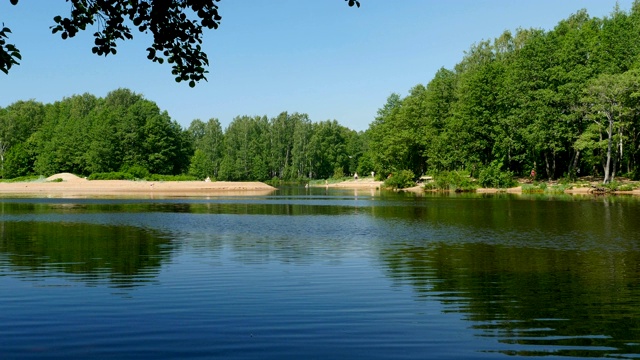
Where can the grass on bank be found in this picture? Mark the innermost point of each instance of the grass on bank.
(150, 177)
(30, 178)
(544, 188)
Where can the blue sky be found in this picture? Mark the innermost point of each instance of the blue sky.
(318, 57)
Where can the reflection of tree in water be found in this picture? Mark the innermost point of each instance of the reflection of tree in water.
(535, 301)
(126, 256)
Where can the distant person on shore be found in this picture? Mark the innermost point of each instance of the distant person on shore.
(533, 174)
(355, 176)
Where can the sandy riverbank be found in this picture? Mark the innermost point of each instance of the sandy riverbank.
(72, 186)
(353, 184)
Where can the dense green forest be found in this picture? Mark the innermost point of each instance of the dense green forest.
(124, 132)
(565, 102)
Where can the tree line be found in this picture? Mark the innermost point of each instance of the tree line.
(563, 102)
(124, 132)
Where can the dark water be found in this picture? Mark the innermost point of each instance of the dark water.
(320, 275)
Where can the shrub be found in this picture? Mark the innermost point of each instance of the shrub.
(338, 173)
(612, 186)
(400, 180)
(111, 176)
(137, 171)
(633, 175)
(454, 181)
(558, 189)
(23, 179)
(17, 162)
(182, 177)
(531, 189)
(493, 176)
(431, 185)
(626, 187)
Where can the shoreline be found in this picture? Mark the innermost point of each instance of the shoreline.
(419, 189)
(67, 185)
(352, 184)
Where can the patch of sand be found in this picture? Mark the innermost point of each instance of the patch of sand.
(513, 190)
(65, 177)
(353, 184)
(73, 187)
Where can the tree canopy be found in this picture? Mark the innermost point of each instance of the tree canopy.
(126, 133)
(564, 102)
(176, 25)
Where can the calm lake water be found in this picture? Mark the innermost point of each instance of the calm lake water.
(316, 274)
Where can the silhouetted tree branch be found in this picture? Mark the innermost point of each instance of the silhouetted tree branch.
(176, 25)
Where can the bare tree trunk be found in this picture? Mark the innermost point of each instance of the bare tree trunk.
(574, 166)
(607, 168)
(614, 168)
(3, 150)
(547, 165)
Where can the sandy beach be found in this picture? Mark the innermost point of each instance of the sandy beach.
(73, 186)
(353, 184)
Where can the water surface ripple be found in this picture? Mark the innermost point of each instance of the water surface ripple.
(320, 274)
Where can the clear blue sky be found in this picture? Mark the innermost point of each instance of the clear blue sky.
(318, 57)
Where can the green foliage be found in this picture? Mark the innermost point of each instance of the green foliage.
(208, 143)
(160, 177)
(626, 187)
(454, 180)
(400, 180)
(201, 167)
(543, 188)
(634, 175)
(560, 101)
(56, 180)
(84, 135)
(18, 162)
(28, 178)
(111, 176)
(531, 189)
(119, 175)
(137, 171)
(338, 173)
(328, 146)
(611, 186)
(492, 176)
(558, 189)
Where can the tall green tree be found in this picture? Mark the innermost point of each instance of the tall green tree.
(17, 122)
(384, 149)
(301, 157)
(611, 108)
(328, 149)
(208, 143)
(246, 149)
(62, 140)
(281, 140)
